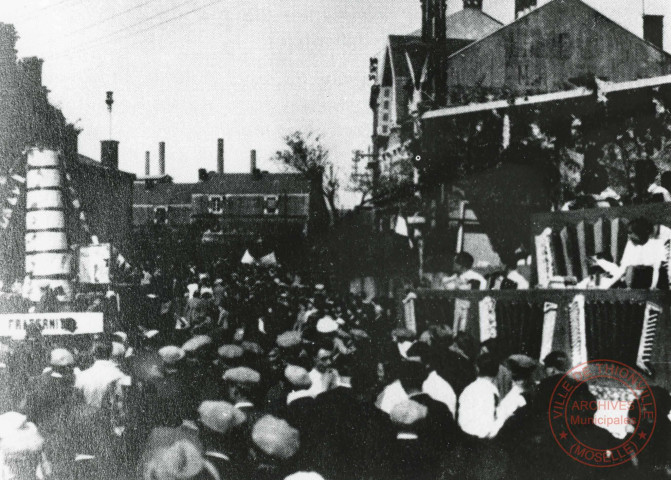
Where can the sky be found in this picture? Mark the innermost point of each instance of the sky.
(190, 71)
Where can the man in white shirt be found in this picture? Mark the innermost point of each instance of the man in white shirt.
(478, 404)
(466, 278)
(96, 381)
(643, 249)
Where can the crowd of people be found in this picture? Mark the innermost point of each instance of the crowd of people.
(247, 373)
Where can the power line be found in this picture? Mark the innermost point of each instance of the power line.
(46, 7)
(150, 27)
(94, 42)
(105, 20)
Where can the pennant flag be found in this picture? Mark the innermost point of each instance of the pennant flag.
(269, 259)
(16, 191)
(4, 222)
(19, 178)
(12, 200)
(3, 180)
(76, 204)
(94, 240)
(7, 212)
(82, 216)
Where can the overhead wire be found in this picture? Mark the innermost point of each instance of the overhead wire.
(33, 13)
(119, 31)
(105, 20)
(148, 28)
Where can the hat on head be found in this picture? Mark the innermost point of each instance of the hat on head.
(18, 435)
(327, 325)
(242, 376)
(289, 339)
(123, 336)
(304, 476)
(151, 333)
(61, 357)
(118, 350)
(408, 412)
(521, 366)
(275, 437)
(220, 416)
(218, 281)
(402, 334)
(171, 354)
(252, 347)
(181, 461)
(319, 286)
(297, 376)
(230, 352)
(196, 343)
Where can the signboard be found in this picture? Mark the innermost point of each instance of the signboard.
(62, 323)
(94, 263)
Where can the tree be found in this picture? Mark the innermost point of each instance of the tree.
(305, 153)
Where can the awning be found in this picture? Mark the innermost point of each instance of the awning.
(582, 92)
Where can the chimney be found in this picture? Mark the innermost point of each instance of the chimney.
(522, 7)
(252, 161)
(220, 155)
(433, 20)
(161, 158)
(653, 30)
(109, 154)
(477, 4)
(147, 164)
(202, 175)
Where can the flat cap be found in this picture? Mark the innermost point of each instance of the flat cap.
(196, 343)
(252, 347)
(61, 357)
(181, 461)
(289, 339)
(402, 334)
(275, 437)
(230, 351)
(171, 354)
(521, 365)
(242, 375)
(220, 416)
(327, 325)
(297, 376)
(408, 413)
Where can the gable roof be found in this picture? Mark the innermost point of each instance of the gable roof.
(468, 24)
(542, 8)
(89, 162)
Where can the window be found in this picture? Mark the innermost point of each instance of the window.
(271, 206)
(386, 105)
(385, 130)
(160, 215)
(216, 204)
(386, 93)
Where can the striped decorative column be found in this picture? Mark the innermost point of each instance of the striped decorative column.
(48, 259)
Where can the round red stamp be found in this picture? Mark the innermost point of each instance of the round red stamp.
(602, 413)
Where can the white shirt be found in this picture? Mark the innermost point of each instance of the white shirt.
(439, 389)
(469, 275)
(477, 409)
(659, 190)
(392, 395)
(650, 254)
(510, 404)
(95, 381)
(518, 278)
(192, 288)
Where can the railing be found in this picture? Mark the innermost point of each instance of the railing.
(535, 322)
(564, 241)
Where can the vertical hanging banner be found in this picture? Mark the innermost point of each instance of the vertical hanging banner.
(94, 263)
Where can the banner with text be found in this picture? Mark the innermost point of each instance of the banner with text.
(63, 323)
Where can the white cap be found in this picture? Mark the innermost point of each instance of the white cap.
(327, 325)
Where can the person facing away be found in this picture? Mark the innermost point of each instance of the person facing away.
(645, 184)
(466, 277)
(95, 381)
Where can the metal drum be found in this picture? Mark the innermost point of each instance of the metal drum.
(43, 178)
(45, 219)
(46, 241)
(37, 199)
(48, 264)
